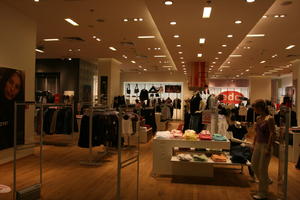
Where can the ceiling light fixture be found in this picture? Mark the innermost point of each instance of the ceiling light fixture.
(276, 16)
(146, 36)
(262, 61)
(235, 55)
(199, 55)
(256, 35)
(206, 12)
(213, 62)
(238, 22)
(290, 46)
(250, 1)
(224, 45)
(98, 39)
(160, 56)
(133, 61)
(124, 56)
(264, 17)
(180, 52)
(70, 49)
(282, 16)
(181, 58)
(140, 66)
(247, 70)
(168, 3)
(51, 39)
(229, 36)
(178, 45)
(202, 40)
(71, 21)
(135, 19)
(112, 48)
(182, 62)
(145, 69)
(228, 62)
(219, 52)
(176, 36)
(39, 50)
(141, 19)
(36, 0)
(216, 58)
(275, 55)
(173, 23)
(125, 20)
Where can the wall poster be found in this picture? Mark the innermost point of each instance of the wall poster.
(12, 83)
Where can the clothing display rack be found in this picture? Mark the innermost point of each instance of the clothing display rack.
(123, 164)
(49, 105)
(91, 110)
(35, 189)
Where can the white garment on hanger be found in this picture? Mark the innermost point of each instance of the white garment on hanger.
(127, 127)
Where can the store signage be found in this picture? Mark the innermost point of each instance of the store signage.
(231, 97)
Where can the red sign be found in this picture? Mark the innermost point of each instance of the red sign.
(231, 97)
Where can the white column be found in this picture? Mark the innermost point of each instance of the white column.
(296, 84)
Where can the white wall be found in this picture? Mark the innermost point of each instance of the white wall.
(260, 88)
(17, 50)
(286, 81)
(157, 77)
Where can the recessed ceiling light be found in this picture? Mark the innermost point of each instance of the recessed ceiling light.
(125, 20)
(229, 36)
(160, 56)
(265, 16)
(94, 37)
(181, 58)
(184, 69)
(69, 58)
(247, 70)
(178, 45)
(39, 50)
(219, 52)
(71, 21)
(146, 36)
(70, 50)
(36, 0)
(212, 66)
(276, 16)
(213, 62)
(224, 45)
(112, 48)
(262, 61)
(173, 23)
(202, 40)
(158, 48)
(228, 62)
(275, 55)
(206, 12)
(145, 69)
(168, 3)
(140, 66)
(199, 55)
(250, 1)
(78, 49)
(182, 62)
(141, 19)
(124, 56)
(235, 55)
(176, 36)
(135, 19)
(133, 61)
(238, 22)
(256, 35)
(167, 66)
(290, 46)
(282, 16)
(180, 52)
(216, 58)
(98, 39)
(51, 39)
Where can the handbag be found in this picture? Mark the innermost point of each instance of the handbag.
(128, 89)
(136, 89)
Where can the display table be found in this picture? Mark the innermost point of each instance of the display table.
(294, 148)
(166, 164)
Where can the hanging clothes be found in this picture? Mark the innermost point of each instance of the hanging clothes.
(144, 95)
(177, 103)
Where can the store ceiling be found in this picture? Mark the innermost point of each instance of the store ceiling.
(105, 20)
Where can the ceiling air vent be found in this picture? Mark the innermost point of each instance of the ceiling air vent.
(75, 39)
(292, 55)
(126, 43)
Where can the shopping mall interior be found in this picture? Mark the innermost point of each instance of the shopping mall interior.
(149, 99)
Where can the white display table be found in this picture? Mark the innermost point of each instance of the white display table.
(294, 150)
(165, 164)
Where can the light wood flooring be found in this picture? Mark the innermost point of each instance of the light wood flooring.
(65, 179)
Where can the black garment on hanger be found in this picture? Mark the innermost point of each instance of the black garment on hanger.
(136, 89)
(177, 103)
(153, 90)
(128, 91)
(144, 95)
(195, 103)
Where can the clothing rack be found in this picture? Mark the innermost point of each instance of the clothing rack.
(92, 110)
(127, 162)
(26, 146)
(49, 105)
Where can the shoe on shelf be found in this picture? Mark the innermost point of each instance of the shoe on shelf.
(259, 197)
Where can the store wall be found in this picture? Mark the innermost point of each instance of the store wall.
(87, 71)
(157, 77)
(68, 69)
(286, 81)
(17, 50)
(260, 88)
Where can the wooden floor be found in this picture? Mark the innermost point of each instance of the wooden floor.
(66, 179)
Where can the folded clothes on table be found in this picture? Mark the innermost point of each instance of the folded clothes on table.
(219, 137)
(184, 157)
(201, 157)
(219, 158)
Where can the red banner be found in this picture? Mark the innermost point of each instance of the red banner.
(231, 97)
(198, 75)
